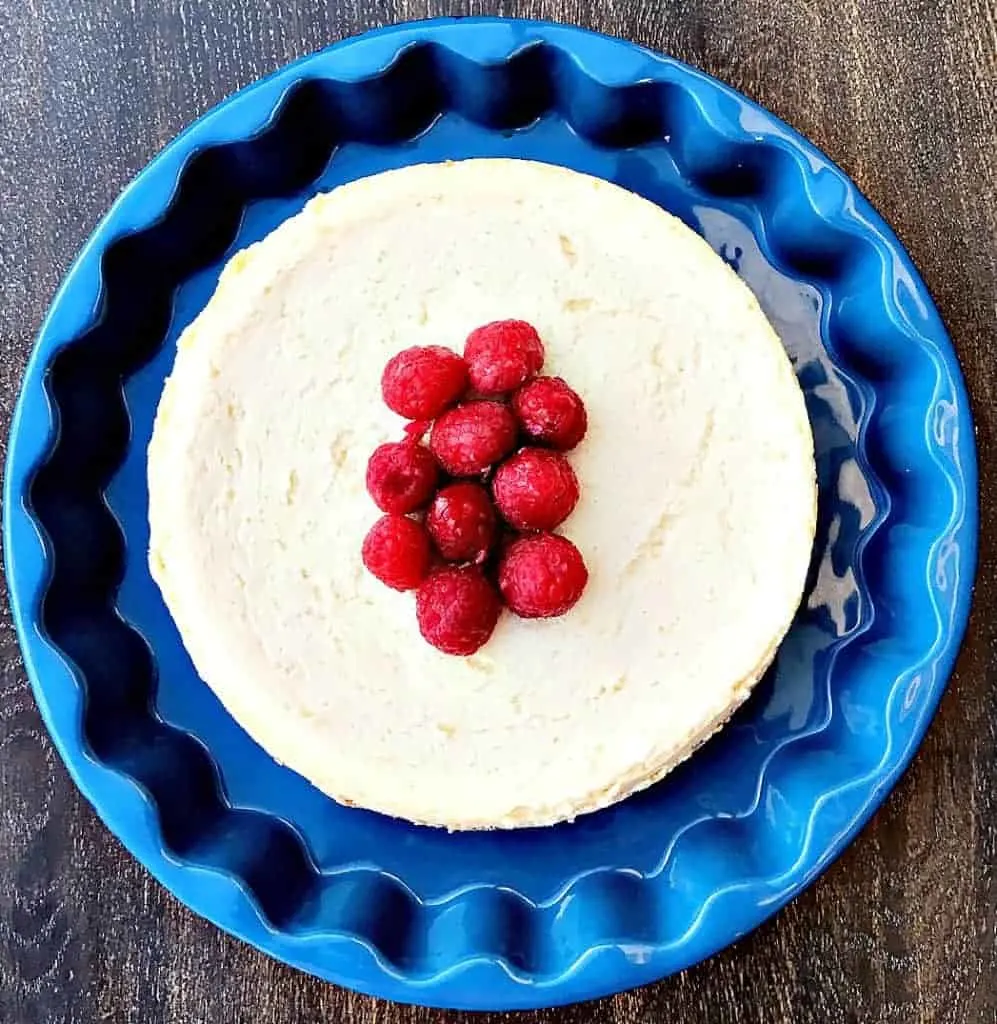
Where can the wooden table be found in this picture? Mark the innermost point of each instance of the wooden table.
(903, 94)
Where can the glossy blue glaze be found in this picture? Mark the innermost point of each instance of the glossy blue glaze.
(618, 898)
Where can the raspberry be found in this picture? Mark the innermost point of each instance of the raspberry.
(501, 355)
(541, 576)
(401, 476)
(419, 383)
(550, 412)
(472, 437)
(462, 522)
(457, 609)
(396, 551)
(535, 489)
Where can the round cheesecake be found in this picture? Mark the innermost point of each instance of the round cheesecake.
(696, 516)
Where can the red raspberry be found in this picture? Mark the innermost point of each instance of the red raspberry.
(550, 412)
(401, 476)
(541, 576)
(462, 522)
(474, 436)
(535, 489)
(501, 355)
(396, 551)
(419, 383)
(457, 609)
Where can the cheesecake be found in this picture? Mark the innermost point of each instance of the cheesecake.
(695, 516)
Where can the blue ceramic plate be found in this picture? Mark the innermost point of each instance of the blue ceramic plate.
(666, 878)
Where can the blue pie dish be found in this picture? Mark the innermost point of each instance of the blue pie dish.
(618, 898)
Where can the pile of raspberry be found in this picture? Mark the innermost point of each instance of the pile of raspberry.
(469, 517)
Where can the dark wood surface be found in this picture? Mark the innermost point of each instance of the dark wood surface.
(903, 94)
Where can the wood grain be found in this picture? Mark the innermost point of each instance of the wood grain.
(903, 94)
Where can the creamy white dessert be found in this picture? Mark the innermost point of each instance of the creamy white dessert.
(696, 516)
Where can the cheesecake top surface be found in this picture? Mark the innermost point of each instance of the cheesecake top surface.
(696, 515)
